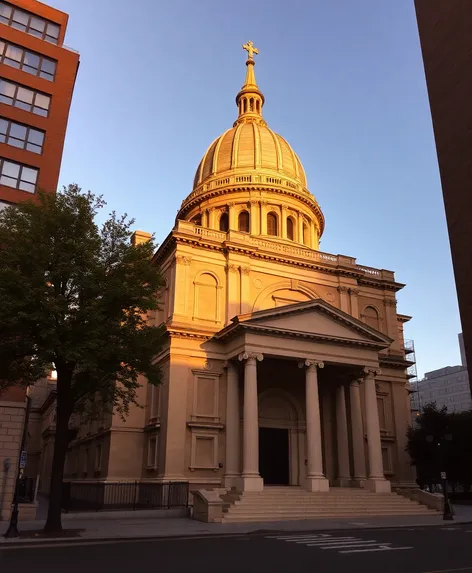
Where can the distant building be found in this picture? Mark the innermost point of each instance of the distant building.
(448, 386)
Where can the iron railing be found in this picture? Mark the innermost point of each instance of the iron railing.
(108, 496)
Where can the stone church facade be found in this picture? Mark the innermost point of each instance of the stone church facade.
(282, 365)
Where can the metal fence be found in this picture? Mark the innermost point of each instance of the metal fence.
(106, 496)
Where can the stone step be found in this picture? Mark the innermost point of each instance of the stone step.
(363, 509)
(230, 518)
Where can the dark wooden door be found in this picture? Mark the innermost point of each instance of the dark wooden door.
(274, 456)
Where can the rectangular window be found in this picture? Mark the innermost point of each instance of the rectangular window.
(18, 176)
(152, 452)
(29, 23)
(30, 62)
(98, 457)
(21, 136)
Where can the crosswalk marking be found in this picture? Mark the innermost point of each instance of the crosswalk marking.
(384, 547)
(343, 544)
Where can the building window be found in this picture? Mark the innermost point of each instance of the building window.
(243, 222)
(24, 98)
(21, 136)
(272, 224)
(224, 222)
(98, 457)
(18, 176)
(29, 23)
(371, 317)
(290, 228)
(30, 62)
(152, 452)
(197, 220)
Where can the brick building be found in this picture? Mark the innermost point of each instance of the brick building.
(37, 78)
(445, 29)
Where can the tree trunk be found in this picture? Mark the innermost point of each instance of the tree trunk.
(61, 442)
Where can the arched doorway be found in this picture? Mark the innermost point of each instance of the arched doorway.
(280, 438)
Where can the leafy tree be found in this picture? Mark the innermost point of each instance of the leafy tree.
(442, 441)
(75, 297)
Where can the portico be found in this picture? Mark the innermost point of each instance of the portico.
(331, 391)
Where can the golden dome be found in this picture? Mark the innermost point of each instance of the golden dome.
(250, 146)
(251, 163)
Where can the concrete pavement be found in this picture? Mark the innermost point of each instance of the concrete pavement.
(150, 524)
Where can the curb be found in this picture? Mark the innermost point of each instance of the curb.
(58, 541)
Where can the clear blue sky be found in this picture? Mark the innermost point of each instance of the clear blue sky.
(344, 84)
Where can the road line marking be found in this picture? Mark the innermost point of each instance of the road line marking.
(371, 543)
(449, 528)
(342, 542)
(382, 548)
(288, 537)
(330, 540)
(450, 570)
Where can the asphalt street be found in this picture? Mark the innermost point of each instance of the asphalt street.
(447, 548)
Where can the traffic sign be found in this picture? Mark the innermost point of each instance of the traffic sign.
(23, 457)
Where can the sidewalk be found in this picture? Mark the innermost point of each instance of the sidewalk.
(146, 525)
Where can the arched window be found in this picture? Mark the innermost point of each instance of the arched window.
(272, 224)
(371, 317)
(243, 222)
(290, 229)
(306, 234)
(224, 222)
(197, 220)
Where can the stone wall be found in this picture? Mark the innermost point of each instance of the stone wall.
(12, 413)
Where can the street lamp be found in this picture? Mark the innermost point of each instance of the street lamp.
(12, 530)
(446, 437)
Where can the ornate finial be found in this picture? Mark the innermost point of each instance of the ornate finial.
(250, 99)
(250, 49)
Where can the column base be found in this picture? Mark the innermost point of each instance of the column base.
(232, 480)
(316, 484)
(251, 483)
(377, 485)
(342, 482)
(358, 482)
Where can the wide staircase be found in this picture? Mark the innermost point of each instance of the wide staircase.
(290, 503)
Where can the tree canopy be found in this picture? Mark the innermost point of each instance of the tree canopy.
(76, 297)
(442, 442)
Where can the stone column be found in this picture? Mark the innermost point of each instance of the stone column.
(357, 431)
(300, 228)
(344, 298)
(232, 462)
(255, 218)
(344, 472)
(250, 479)
(263, 226)
(315, 479)
(283, 222)
(376, 481)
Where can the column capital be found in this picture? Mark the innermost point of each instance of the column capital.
(229, 364)
(245, 270)
(343, 289)
(355, 382)
(354, 291)
(183, 260)
(251, 357)
(311, 364)
(371, 372)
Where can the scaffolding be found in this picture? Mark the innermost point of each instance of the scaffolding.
(412, 375)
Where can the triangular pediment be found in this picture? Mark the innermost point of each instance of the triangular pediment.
(315, 318)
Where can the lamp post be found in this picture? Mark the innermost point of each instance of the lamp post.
(12, 530)
(441, 443)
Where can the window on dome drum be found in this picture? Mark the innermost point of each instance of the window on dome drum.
(272, 224)
(197, 220)
(306, 234)
(18, 176)
(29, 23)
(290, 228)
(30, 62)
(243, 222)
(25, 98)
(224, 222)
(21, 136)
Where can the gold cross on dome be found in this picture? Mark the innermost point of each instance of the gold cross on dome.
(250, 49)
